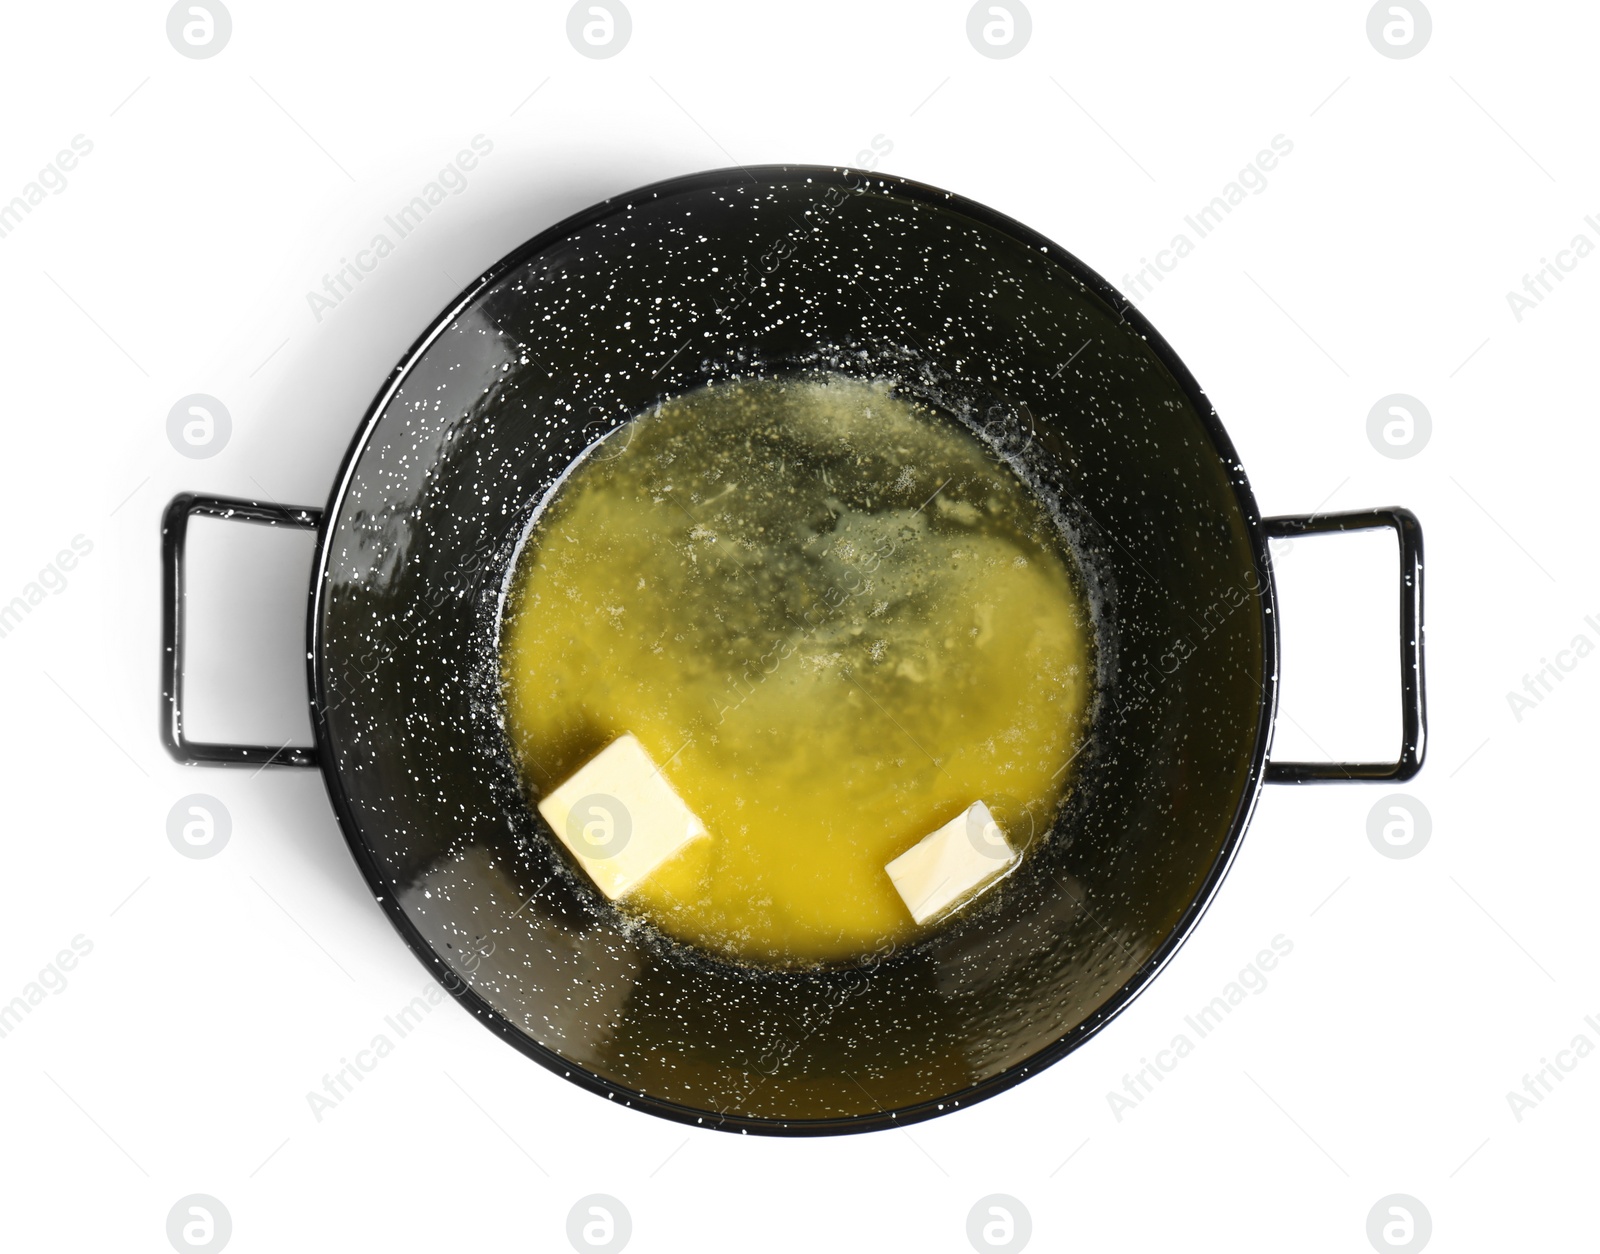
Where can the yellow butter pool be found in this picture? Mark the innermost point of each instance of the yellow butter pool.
(833, 618)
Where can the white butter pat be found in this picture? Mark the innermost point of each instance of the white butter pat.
(619, 817)
(953, 864)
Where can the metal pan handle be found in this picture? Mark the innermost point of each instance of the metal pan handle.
(174, 534)
(1413, 702)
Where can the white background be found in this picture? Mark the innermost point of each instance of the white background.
(177, 260)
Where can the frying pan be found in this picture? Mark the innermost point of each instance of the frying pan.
(770, 272)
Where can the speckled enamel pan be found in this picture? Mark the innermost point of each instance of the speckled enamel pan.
(770, 271)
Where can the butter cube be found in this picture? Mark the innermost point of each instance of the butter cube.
(953, 864)
(619, 817)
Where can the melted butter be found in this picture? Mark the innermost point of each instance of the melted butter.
(832, 618)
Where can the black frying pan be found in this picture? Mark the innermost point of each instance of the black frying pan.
(772, 271)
